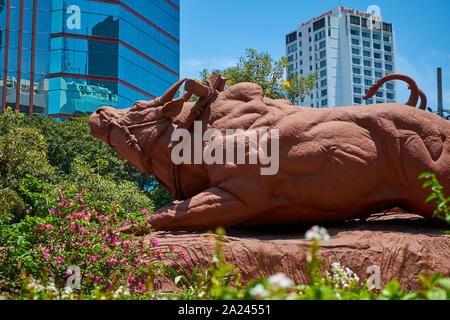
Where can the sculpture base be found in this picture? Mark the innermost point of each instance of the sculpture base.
(401, 245)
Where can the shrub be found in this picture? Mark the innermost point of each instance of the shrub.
(85, 233)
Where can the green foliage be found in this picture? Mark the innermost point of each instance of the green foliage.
(22, 151)
(105, 188)
(83, 232)
(442, 210)
(38, 155)
(261, 69)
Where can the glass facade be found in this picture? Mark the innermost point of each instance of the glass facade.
(83, 54)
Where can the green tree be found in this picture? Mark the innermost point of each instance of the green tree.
(262, 69)
(22, 152)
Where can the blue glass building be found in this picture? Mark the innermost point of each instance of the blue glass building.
(68, 57)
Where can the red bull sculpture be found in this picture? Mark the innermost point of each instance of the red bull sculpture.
(236, 157)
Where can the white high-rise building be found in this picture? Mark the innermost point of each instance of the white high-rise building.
(350, 50)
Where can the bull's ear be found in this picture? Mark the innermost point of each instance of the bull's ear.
(173, 108)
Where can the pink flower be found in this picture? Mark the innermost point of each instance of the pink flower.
(46, 254)
(93, 258)
(155, 243)
(112, 261)
(69, 272)
(59, 260)
(144, 211)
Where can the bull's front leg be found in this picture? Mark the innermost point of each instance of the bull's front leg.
(210, 209)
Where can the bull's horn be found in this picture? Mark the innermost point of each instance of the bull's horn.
(170, 94)
(200, 90)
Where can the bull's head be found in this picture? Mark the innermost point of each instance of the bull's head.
(147, 120)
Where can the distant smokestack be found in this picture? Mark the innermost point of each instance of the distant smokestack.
(440, 100)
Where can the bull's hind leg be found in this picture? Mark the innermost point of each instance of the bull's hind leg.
(208, 210)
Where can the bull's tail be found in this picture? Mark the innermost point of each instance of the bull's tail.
(416, 93)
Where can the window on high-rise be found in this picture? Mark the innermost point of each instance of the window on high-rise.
(291, 67)
(292, 48)
(366, 44)
(390, 86)
(387, 57)
(322, 45)
(366, 53)
(367, 82)
(323, 73)
(377, 55)
(354, 32)
(324, 102)
(387, 39)
(378, 65)
(356, 70)
(387, 27)
(377, 46)
(369, 101)
(356, 61)
(389, 67)
(364, 22)
(291, 37)
(324, 92)
(366, 35)
(368, 73)
(323, 63)
(367, 63)
(356, 80)
(355, 42)
(323, 83)
(357, 90)
(377, 36)
(378, 74)
(380, 94)
(322, 54)
(319, 24)
(388, 48)
(319, 35)
(291, 58)
(355, 20)
(389, 95)
(355, 51)
(357, 100)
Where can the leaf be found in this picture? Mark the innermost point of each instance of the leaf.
(194, 274)
(178, 279)
(436, 294)
(431, 197)
(445, 283)
(427, 184)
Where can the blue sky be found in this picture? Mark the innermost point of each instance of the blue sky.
(214, 34)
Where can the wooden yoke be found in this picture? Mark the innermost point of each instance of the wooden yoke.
(206, 92)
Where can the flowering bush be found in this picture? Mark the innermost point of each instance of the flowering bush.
(86, 234)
